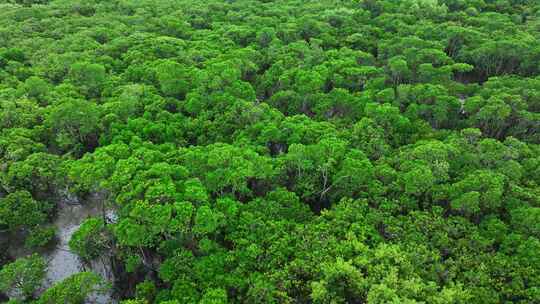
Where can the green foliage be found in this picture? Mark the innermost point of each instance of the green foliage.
(36, 88)
(369, 151)
(19, 211)
(23, 277)
(174, 79)
(146, 291)
(89, 78)
(206, 220)
(90, 240)
(74, 124)
(74, 290)
(36, 174)
(40, 236)
(214, 296)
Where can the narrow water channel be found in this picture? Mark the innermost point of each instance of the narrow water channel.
(63, 263)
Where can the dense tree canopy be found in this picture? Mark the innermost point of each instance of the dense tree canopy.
(275, 151)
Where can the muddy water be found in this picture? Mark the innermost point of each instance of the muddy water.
(63, 263)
